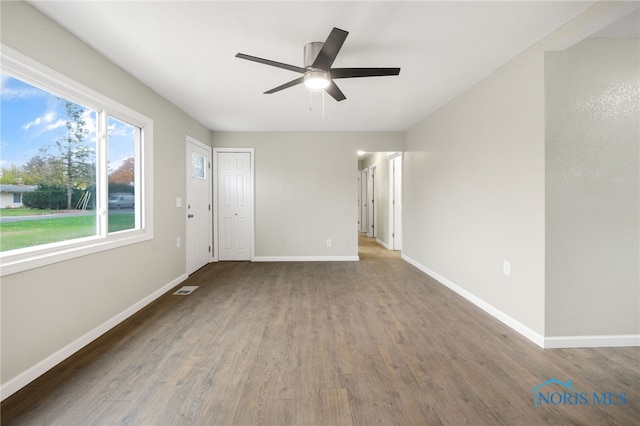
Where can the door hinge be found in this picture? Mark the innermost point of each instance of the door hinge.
(209, 249)
(209, 164)
(209, 207)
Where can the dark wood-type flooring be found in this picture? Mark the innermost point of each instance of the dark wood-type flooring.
(324, 343)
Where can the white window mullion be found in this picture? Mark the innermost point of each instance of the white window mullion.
(102, 181)
(138, 178)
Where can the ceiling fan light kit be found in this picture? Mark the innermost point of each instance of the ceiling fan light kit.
(317, 79)
(317, 73)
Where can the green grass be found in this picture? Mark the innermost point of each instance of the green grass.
(24, 211)
(29, 233)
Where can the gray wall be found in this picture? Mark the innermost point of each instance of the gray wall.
(474, 196)
(592, 193)
(306, 188)
(48, 308)
(473, 191)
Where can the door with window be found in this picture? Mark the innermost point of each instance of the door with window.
(235, 205)
(198, 208)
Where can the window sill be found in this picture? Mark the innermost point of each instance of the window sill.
(27, 259)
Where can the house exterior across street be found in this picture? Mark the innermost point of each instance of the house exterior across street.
(11, 195)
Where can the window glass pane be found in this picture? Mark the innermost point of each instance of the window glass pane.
(48, 155)
(197, 166)
(123, 139)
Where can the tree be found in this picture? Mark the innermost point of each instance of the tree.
(125, 173)
(74, 155)
(14, 175)
(43, 169)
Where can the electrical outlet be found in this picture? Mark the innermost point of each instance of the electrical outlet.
(178, 242)
(506, 267)
(328, 243)
(178, 202)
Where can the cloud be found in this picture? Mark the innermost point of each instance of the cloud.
(59, 123)
(11, 92)
(45, 119)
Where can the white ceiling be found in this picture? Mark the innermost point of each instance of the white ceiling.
(185, 51)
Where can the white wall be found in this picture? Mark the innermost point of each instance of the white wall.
(46, 310)
(306, 189)
(592, 192)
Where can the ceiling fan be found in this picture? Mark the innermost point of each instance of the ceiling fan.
(317, 71)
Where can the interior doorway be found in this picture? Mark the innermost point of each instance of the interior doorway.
(380, 197)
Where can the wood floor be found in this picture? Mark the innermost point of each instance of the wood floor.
(325, 343)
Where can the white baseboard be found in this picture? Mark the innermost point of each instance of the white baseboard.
(15, 384)
(306, 258)
(542, 341)
(592, 341)
(383, 244)
(491, 310)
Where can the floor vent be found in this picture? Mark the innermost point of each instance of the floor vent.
(184, 290)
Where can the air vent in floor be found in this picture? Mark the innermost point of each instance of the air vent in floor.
(186, 289)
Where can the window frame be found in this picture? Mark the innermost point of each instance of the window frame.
(32, 72)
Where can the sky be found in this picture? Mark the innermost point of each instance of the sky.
(31, 119)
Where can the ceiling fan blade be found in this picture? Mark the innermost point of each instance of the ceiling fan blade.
(363, 72)
(285, 86)
(330, 49)
(270, 62)
(335, 92)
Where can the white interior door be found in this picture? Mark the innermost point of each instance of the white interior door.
(371, 202)
(198, 205)
(235, 205)
(397, 202)
(363, 201)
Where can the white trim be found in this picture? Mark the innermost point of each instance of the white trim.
(70, 249)
(15, 384)
(496, 313)
(557, 342)
(306, 258)
(383, 244)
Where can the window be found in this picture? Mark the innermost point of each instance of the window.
(198, 166)
(88, 159)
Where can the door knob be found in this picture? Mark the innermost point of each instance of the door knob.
(189, 216)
